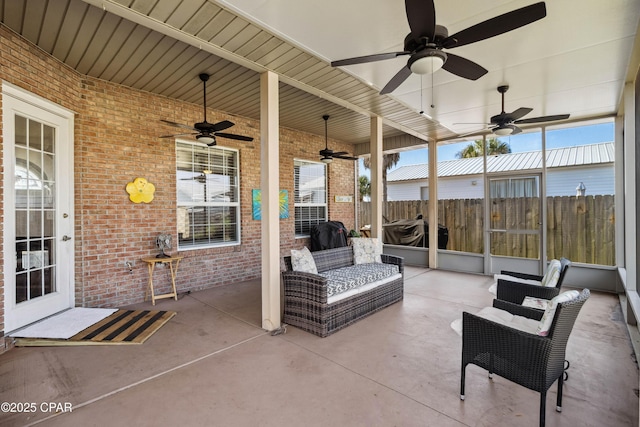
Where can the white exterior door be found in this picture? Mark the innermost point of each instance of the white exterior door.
(38, 208)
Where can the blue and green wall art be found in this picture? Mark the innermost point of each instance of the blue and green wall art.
(256, 198)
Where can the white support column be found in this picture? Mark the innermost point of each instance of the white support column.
(631, 195)
(620, 178)
(433, 204)
(270, 183)
(630, 161)
(376, 176)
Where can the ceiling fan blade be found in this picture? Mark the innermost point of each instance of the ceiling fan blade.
(232, 136)
(543, 119)
(225, 124)
(473, 132)
(179, 125)
(495, 26)
(470, 123)
(344, 157)
(397, 80)
(421, 15)
(368, 58)
(340, 153)
(463, 67)
(520, 112)
(179, 134)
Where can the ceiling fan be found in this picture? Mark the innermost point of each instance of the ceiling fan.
(200, 177)
(327, 154)
(505, 123)
(204, 131)
(426, 41)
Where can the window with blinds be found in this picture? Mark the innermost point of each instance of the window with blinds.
(208, 202)
(310, 189)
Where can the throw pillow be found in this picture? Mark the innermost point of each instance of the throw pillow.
(554, 265)
(550, 311)
(553, 280)
(302, 260)
(366, 250)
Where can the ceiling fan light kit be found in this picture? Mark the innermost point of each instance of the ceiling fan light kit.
(429, 61)
(503, 131)
(206, 139)
(326, 160)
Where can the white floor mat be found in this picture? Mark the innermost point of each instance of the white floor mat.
(66, 324)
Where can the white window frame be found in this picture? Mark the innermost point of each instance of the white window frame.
(320, 199)
(183, 173)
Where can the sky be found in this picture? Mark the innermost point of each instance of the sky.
(556, 138)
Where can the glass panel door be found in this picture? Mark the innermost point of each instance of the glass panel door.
(38, 217)
(515, 216)
(34, 209)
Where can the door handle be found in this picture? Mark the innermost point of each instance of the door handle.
(66, 238)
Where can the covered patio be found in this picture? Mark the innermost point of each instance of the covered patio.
(213, 364)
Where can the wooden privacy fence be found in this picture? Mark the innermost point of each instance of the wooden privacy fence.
(579, 228)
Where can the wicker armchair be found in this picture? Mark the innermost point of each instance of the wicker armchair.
(530, 360)
(515, 292)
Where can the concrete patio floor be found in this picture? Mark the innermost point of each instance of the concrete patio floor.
(212, 365)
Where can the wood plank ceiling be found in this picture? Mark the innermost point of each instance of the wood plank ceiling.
(161, 46)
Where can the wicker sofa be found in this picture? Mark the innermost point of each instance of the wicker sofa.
(320, 305)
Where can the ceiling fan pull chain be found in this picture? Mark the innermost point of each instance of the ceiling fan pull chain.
(421, 105)
(432, 104)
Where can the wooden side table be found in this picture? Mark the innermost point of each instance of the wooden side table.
(173, 262)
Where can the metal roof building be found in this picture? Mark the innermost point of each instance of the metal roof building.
(591, 165)
(581, 155)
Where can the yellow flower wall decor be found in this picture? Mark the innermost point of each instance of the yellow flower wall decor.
(140, 190)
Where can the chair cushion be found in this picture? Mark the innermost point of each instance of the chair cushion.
(502, 317)
(302, 260)
(552, 275)
(366, 250)
(549, 313)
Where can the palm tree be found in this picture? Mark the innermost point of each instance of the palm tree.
(365, 186)
(388, 161)
(476, 148)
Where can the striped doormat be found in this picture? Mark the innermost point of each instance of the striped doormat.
(122, 327)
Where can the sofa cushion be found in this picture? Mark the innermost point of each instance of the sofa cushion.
(347, 278)
(366, 250)
(302, 260)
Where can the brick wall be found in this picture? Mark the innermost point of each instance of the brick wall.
(116, 141)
